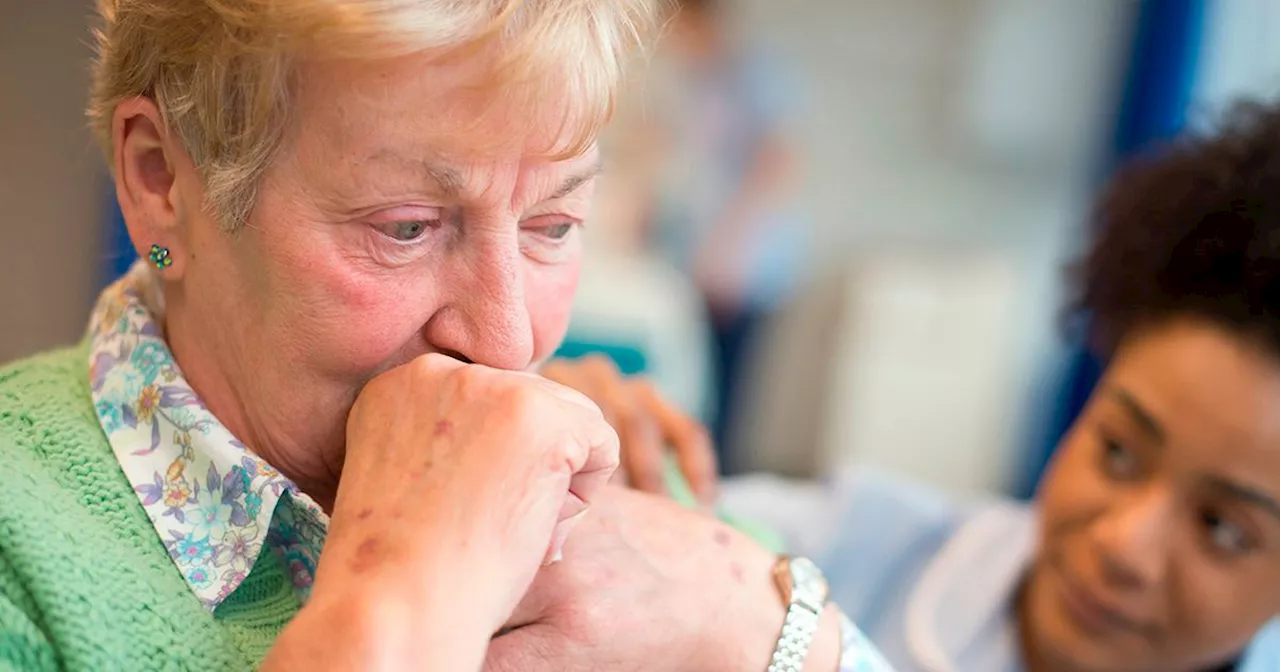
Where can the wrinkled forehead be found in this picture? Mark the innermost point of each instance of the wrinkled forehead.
(453, 107)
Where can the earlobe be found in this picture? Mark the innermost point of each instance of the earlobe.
(159, 257)
(146, 161)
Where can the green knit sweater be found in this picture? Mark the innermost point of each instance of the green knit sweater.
(85, 582)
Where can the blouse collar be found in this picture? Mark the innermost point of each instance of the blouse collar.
(211, 499)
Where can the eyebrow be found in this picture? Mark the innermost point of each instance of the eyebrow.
(451, 182)
(1245, 494)
(448, 179)
(571, 184)
(1139, 414)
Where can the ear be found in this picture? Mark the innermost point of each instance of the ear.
(148, 163)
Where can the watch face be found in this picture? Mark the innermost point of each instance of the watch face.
(808, 579)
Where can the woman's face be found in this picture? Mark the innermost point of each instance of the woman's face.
(389, 226)
(1160, 547)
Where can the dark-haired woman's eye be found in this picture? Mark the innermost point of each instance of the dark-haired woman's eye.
(1224, 535)
(1118, 461)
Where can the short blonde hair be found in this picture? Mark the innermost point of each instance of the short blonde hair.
(219, 70)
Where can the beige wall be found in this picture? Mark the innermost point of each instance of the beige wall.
(51, 185)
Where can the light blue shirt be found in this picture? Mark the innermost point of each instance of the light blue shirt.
(930, 582)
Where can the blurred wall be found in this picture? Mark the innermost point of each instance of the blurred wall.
(1242, 57)
(50, 177)
(951, 150)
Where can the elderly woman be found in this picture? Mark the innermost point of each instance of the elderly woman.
(1154, 545)
(302, 434)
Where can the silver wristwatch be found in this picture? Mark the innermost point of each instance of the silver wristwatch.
(804, 591)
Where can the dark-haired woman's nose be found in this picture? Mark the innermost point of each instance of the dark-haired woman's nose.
(1132, 539)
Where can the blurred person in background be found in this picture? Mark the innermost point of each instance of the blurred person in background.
(721, 212)
(1154, 542)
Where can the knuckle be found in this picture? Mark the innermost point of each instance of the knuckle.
(556, 369)
(520, 399)
(432, 372)
(643, 385)
(600, 364)
(643, 465)
(581, 398)
(431, 362)
(641, 439)
(611, 449)
(459, 383)
(698, 437)
(621, 413)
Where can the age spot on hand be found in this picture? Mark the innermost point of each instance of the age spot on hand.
(368, 555)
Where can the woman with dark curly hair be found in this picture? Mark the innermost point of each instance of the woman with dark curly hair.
(1154, 543)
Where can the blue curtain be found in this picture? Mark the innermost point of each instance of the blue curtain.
(1164, 58)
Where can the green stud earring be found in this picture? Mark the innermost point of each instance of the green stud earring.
(160, 257)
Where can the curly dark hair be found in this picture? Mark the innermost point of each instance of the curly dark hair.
(1192, 229)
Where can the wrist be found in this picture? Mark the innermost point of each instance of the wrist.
(423, 575)
(824, 653)
(379, 629)
(810, 636)
(758, 636)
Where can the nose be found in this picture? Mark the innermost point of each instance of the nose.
(485, 318)
(1133, 539)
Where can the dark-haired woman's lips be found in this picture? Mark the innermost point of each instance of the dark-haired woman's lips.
(1091, 613)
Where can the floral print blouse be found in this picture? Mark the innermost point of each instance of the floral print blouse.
(213, 502)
